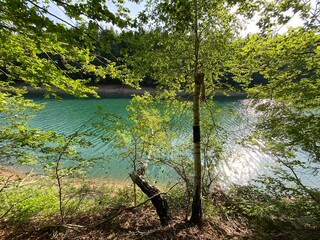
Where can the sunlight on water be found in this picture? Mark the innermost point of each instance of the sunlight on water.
(243, 164)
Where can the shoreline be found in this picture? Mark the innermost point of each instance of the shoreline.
(19, 173)
(126, 91)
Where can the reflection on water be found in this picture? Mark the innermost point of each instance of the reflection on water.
(245, 164)
(67, 115)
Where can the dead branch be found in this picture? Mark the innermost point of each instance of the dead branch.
(133, 207)
(6, 182)
(25, 178)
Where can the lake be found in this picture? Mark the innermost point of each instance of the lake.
(67, 115)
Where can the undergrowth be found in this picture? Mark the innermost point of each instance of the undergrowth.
(243, 213)
(274, 217)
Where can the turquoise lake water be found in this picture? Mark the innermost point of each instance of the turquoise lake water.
(67, 115)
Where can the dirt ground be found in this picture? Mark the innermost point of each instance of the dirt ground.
(138, 223)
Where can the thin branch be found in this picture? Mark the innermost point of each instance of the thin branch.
(299, 182)
(51, 14)
(24, 179)
(4, 72)
(9, 28)
(6, 183)
(13, 205)
(71, 25)
(58, 176)
(133, 207)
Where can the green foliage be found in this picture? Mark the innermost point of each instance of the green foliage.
(287, 105)
(157, 131)
(277, 14)
(287, 108)
(35, 62)
(63, 154)
(147, 130)
(38, 199)
(189, 53)
(19, 142)
(177, 199)
(23, 203)
(214, 144)
(291, 217)
(42, 52)
(166, 51)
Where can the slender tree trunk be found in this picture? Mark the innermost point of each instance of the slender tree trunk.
(134, 170)
(196, 216)
(157, 200)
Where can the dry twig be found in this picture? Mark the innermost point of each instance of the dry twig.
(133, 207)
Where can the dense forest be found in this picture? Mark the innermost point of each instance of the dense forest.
(194, 47)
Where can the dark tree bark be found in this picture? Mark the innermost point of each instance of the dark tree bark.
(157, 200)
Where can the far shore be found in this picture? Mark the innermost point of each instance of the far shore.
(122, 90)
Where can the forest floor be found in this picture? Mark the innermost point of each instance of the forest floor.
(103, 210)
(143, 223)
(139, 223)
